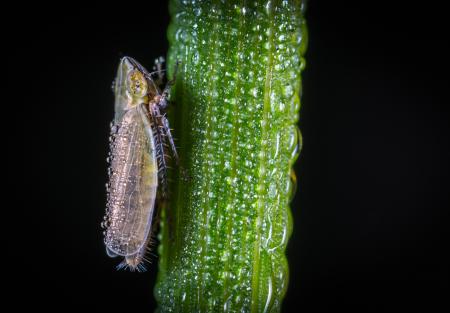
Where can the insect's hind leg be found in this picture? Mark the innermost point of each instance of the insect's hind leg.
(161, 155)
(162, 164)
(151, 123)
(168, 135)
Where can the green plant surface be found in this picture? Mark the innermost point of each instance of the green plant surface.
(236, 107)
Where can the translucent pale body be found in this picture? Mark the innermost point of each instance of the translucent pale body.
(133, 178)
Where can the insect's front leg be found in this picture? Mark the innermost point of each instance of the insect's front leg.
(163, 102)
(159, 71)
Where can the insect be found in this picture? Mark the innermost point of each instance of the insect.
(140, 136)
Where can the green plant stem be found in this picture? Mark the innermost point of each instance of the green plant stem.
(236, 99)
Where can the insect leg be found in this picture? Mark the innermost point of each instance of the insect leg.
(172, 81)
(165, 94)
(151, 128)
(160, 149)
(160, 72)
(168, 135)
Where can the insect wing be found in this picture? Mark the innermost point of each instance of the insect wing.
(133, 185)
(121, 96)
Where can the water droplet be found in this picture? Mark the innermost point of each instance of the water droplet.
(302, 64)
(276, 147)
(197, 11)
(295, 143)
(295, 107)
(195, 57)
(268, 5)
(255, 92)
(114, 129)
(288, 91)
(269, 300)
(272, 189)
(292, 185)
(181, 35)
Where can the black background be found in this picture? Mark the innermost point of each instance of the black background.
(371, 210)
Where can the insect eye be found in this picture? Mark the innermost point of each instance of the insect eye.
(136, 84)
